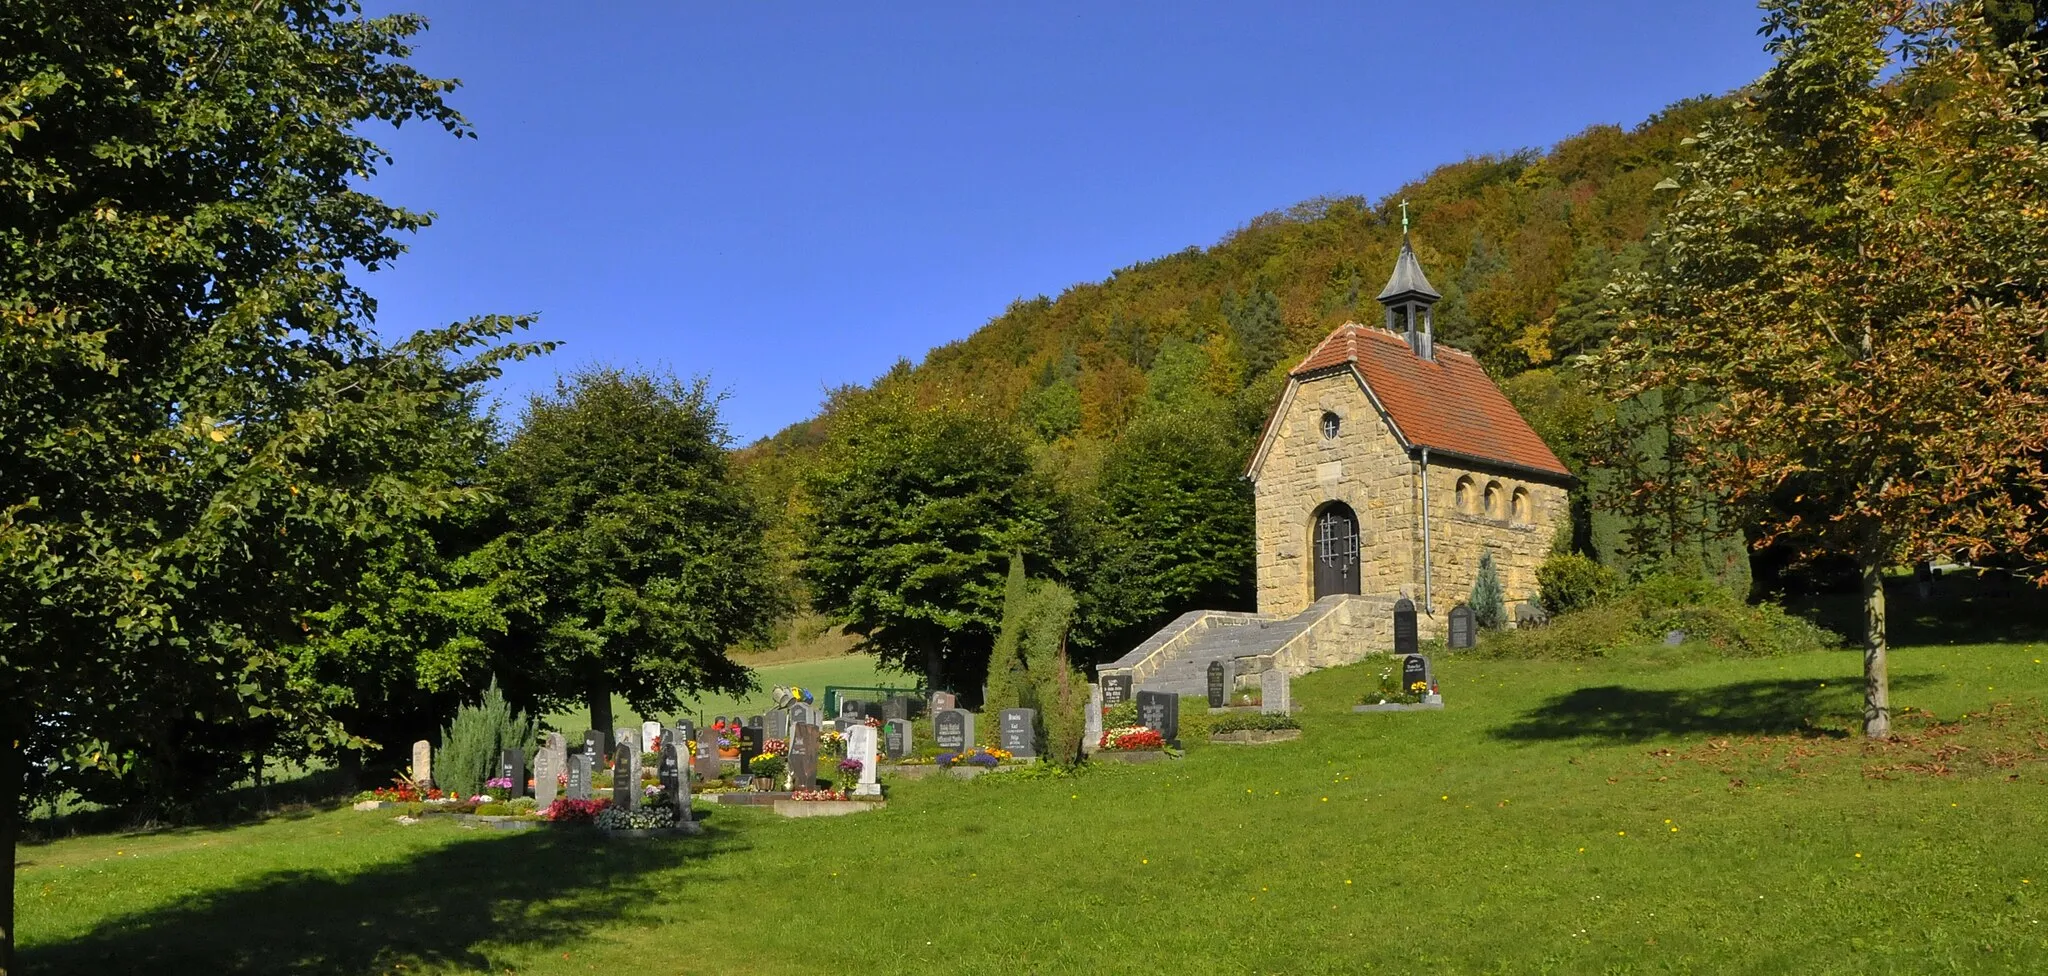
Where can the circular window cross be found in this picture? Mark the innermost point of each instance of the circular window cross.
(1330, 424)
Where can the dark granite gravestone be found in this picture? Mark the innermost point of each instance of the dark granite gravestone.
(1415, 668)
(852, 710)
(953, 729)
(626, 777)
(897, 738)
(752, 739)
(1406, 640)
(1464, 630)
(594, 748)
(706, 763)
(942, 700)
(1018, 731)
(1116, 689)
(896, 707)
(579, 777)
(676, 787)
(756, 723)
(685, 731)
(512, 766)
(1219, 694)
(803, 757)
(775, 722)
(1160, 710)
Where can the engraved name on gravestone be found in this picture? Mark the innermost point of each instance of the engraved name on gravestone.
(853, 710)
(593, 747)
(1415, 668)
(752, 739)
(676, 755)
(579, 777)
(1464, 630)
(512, 766)
(1116, 689)
(626, 777)
(953, 729)
(1160, 710)
(1018, 731)
(1406, 640)
(423, 763)
(669, 771)
(685, 731)
(707, 764)
(1276, 692)
(896, 738)
(803, 757)
(1218, 692)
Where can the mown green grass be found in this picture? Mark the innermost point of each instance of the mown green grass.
(1606, 817)
(851, 669)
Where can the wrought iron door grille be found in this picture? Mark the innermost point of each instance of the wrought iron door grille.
(1337, 541)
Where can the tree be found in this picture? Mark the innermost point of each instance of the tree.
(634, 559)
(910, 516)
(1857, 276)
(201, 439)
(1489, 601)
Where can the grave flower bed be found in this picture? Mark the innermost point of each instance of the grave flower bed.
(1390, 691)
(982, 757)
(818, 795)
(1133, 738)
(569, 811)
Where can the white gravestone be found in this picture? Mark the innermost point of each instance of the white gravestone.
(861, 744)
(423, 763)
(1093, 737)
(649, 731)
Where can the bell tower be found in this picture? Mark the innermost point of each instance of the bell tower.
(1408, 298)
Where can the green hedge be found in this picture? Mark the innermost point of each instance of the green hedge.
(1637, 620)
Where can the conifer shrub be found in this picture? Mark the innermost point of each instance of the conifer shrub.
(1489, 600)
(474, 740)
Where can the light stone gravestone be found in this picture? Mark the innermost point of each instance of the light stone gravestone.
(558, 747)
(803, 713)
(942, 700)
(1406, 638)
(626, 777)
(1092, 739)
(707, 764)
(545, 769)
(1018, 731)
(803, 757)
(649, 733)
(1276, 692)
(423, 763)
(625, 735)
(579, 777)
(1160, 711)
(1464, 633)
(675, 757)
(512, 766)
(953, 729)
(861, 744)
(776, 722)
(896, 737)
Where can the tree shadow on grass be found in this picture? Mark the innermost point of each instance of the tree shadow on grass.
(1830, 709)
(441, 911)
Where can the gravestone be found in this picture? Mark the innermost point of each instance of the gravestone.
(676, 755)
(624, 735)
(1464, 630)
(556, 744)
(804, 713)
(649, 732)
(1276, 692)
(546, 767)
(942, 700)
(1160, 710)
(1415, 668)
(594, 748)
(897, 738)
(423, 763)
(896, 707)
(852, 711)
(626, 777)
(1092, 739)
(1116, 689)
(579, 777)
(1219, 691)
(776, 723)
(671, 772)
(512, 766)
(1406, 640)
(1017, 731)
(803, 757)
(685, 731)
(861, 744)
(1674, 638)
(752, 739)
(953, 729)
(707, 764)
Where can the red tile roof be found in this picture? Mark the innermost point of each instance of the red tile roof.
(1448, 404)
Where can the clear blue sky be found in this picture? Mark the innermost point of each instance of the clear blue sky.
(786, 197)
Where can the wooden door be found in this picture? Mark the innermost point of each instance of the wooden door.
(1336, 551)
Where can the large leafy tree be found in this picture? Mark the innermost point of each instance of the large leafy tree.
(200, 436)
(1856, 273)
(633, 559)
(910, 516)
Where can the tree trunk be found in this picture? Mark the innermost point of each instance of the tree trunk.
(1877, 698)
(601, 713)
(934, 667)
(13, 771)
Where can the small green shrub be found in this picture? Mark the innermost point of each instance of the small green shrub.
(1120, 715)
(495, 810)
(1252, 722)
(1713, 621)
(1573, 582)
(1489, 599)
(524, 804)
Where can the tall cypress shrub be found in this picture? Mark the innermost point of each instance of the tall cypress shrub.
(1489, 601)
(476, 737)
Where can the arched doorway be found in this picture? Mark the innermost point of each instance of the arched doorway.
(1336, 550)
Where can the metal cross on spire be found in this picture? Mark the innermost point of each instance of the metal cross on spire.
(1404, 216)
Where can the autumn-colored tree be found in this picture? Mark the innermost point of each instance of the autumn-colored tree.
(1856, 275)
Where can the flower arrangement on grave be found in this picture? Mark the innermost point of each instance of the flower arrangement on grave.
(1248, 696)
(1391, 692)
(498, 788)
(818, 795)
(849, 770)
(779, 747)
(768, 768)
(832, 742)
(1133, 738)
(984, 758)
(648, 818)
(565, 810)
(405, 789)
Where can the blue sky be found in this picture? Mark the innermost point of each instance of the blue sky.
(786, 197)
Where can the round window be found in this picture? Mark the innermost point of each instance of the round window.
(1330, 424)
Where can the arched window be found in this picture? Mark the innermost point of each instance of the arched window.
(1520, 505)
(1331, 422)
(1496, 501)
(1468, 497)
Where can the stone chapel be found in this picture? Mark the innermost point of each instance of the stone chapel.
(1389, 467)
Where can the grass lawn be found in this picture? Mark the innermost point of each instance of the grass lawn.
(1607, 818)
(843, 669)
